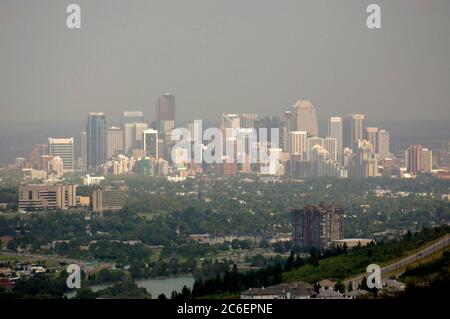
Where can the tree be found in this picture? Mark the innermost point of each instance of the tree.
(85, 293)
(162, 297)
(339, 286)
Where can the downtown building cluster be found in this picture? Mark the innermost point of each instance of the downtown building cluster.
(349, 148)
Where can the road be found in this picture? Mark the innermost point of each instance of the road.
(419, 255)
(83, 264)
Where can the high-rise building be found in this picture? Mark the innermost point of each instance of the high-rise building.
(132, 117)
(115, 141)
(297, 144)
(317, 226)
(310, 143)
(304, 117)
(96, 140)
(413, 159)
(63, 148)
(231, 121)
(150, 138)
(166, 126)
(372, 137)
(330, 144)
(335, 130)
(83, 151)
(248, 120)
(383, 147)
(353, 127)
(137, 134)
(165, 109)
(427, 160)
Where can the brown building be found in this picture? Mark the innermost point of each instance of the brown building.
(111, 198)
(165, 109)
(317, 226)
(47, 197)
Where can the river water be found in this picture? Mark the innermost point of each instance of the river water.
(154, 286)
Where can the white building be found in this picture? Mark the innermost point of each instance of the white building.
(63, 148)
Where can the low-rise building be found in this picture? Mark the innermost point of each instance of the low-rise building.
(47, 197)
(294, 290)
(111, 198)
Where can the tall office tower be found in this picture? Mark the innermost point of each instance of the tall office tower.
(288, 116)
(248, 120)
(83, 151)
(383, 144)
(96, 139)
(353, 127)
(319, 158)
(270, 123)
(372, 137)
(128, 137)
(310, 143)
(304, 117)
(229, 120)
(115, 141)
(317, 226)
(166, 126)
(427, 160)
(297, 144)
(165, 109)
(63, 148)
(335, 129)
(230, 123)
(287, 129)
(132, 117)
(150, 138)
(137, 133)
(330, 144)
(413, 159)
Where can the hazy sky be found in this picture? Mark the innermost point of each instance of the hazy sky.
(224, 56)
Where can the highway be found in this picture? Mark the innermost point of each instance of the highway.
(406, 261)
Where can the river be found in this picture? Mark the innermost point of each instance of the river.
(154, 286)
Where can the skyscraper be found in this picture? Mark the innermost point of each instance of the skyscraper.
(413, 159)
(83, 147)
(317, 226)
(165, 109)
(383, 144)
(427, 160)
(310, 143)
(297, 143)
(63, 148)
(304, 117)
(115, 141)
(248, 120)
(96, 139)
(330, 144)
(132, 117)
(335, 130)
(372, 137)
(150, 139)
(353, 129)
(137, 133)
